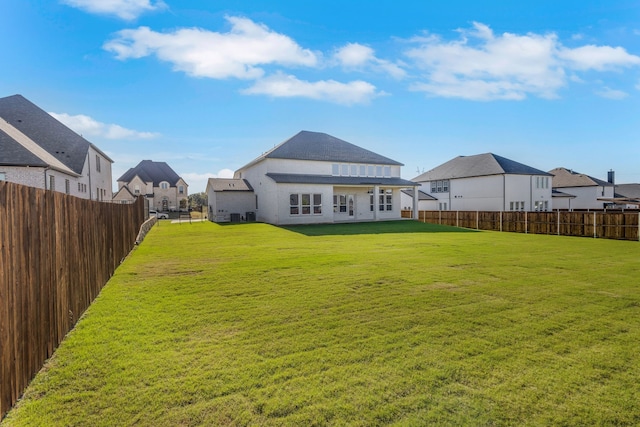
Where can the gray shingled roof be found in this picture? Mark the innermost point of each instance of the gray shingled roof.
(421, 194)
(13, 153)
(292, 178)
(226, 184)
(563, 177)
(319, 146)
(556, 193)
(57, 139)
(628, 190)
(150, 171)
(478, 165)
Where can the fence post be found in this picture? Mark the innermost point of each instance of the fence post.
(558, 230)
(500, 221)
(477, 220)
(594, 225)
(526, 224)
(457, 218)
(440, 217)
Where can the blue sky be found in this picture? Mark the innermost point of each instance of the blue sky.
(207, 86)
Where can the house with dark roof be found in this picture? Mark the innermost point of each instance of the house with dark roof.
(627, 196)
(426, 202)
(39, 151)
(487, 182)
(157, 182)
(314, 177)
(588, 192)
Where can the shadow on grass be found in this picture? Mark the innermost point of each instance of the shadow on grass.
(382, 227)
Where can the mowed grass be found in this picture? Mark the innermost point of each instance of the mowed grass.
(375, 324)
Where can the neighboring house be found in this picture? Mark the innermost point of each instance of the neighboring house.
(627, 196)
(39, 151)
(157, 182)
(230, 196)
(588, 191)
(426, 202)
(317, 178)
(487, 182)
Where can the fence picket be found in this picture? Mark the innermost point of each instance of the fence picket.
(56, 253)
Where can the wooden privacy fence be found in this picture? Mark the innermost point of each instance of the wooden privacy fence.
(56, 254)
(608, 225)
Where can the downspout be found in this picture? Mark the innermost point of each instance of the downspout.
(89, 174)
(504, 192)
(45, 176)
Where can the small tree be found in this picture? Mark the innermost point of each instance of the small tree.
(197, 200)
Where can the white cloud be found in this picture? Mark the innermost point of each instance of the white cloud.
(87, 126)
(609, 93)
(123, 9)
(483, 66)
(358, 56)
(599, 58)
(280, 85)
(201, 53)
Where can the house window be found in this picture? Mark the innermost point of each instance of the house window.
(378, 170)
(344, 170)
(339, 203)
(317, 204)
(164, 185)
(385, 199)
(434, 188)
(256, 202)
(136, 189)
(521, 206)
(371, 170)
(67, 186)
(52, 183)
(335, 169)
(3, 176)
(387, 171)
(372, 201)
(443, 206)
(306, 204)
(363, 170)
(300, 204)
(510, 206)
(97, 163)
(354, 170)
(445, 186)
(181, 189)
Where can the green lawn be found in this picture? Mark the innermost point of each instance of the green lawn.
(393, 323)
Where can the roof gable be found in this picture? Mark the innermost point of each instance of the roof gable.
(150, 171)
(478, 165)
(317, 146)
(58, 140)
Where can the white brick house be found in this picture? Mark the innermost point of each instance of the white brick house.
(39, 151)
(487, 182)
(316, 178)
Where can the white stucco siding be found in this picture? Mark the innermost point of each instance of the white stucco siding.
(224, 203)
(483, 193)
(283, 208)
(587, 197)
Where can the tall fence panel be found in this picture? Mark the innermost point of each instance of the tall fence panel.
(56, 254)
(600, 224)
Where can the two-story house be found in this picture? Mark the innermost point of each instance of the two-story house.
(586, 190)
(157, 182)
(39, 151)
(487, 182)
(313, 177)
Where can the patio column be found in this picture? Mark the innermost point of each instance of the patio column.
(376, 195)
(416, 199)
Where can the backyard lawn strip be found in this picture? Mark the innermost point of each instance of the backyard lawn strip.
(361, 324)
